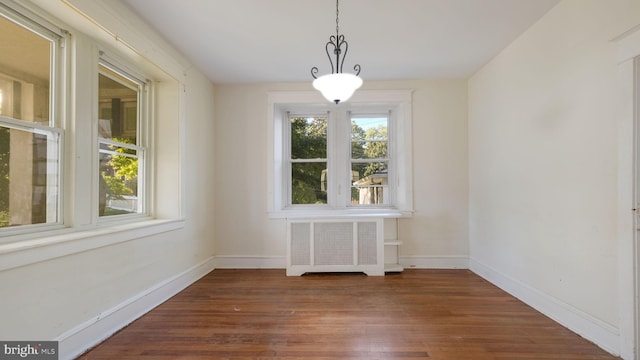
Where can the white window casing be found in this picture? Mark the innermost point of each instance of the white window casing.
(396, 103)
(69, 134)
(140, 148)
(27, 126)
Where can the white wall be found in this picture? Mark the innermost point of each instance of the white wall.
(543, 150)
(524, 181)
(436, 236)
(79, 285)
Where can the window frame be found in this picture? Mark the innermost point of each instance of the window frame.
(75, 109)
(55, 126)
(339, 204)
(370, 112)
(289, 161)
(143, 136)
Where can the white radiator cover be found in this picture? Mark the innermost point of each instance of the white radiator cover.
(335, 245)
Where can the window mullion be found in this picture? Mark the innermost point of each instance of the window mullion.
(346, 178)
(286, 157)
(331, 171)
(391, 154)
(334, 150)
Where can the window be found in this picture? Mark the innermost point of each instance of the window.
(31, 134)
(78, 122)
(340, 159)
(308, 159)
(121, 151)
(370, 160)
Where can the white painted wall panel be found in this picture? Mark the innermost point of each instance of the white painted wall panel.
(439, 224)
(69, 285)
(543, 148)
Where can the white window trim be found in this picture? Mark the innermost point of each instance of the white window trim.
(288, 164)
(400, 100)
(31, 21)
(54, 176)
(392, 144)
(121, 66)
(79, 230)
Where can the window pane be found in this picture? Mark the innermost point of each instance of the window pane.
(120, 155)
(118, 107)
(370, 128)
(369, 138)
(369, 150)
(308, 137)
(29, 189)
(25, 66)
(369, 183)
(308, 183)
(118, 180)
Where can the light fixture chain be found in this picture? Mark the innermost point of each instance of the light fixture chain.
(336, 86)
(337, 18)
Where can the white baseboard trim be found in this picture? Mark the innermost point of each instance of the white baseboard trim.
(280, 262)
(597, 331)
(86, 335)
(250, 262)
(434, 262)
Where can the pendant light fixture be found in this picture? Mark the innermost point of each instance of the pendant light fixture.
(337, 86)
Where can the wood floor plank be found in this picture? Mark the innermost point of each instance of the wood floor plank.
(417, 314)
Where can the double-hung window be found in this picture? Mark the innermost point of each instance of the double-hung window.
(121, 173)
(346, 159)
(76, 135)
(370, 159)
(307, 159)
(31, 124)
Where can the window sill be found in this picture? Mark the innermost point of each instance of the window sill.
(346, 213)
(56, 244)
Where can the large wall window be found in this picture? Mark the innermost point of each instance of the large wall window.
(308, 159)
(317, 181)
(76, 131)
(341, 159)
(370, 159)
(30, 127)
(121, 143)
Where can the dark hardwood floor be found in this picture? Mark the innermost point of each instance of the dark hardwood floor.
(418, 314)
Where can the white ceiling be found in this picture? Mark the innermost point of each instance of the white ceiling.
(245, 41)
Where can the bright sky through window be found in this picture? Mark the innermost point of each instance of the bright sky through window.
(366, 123)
